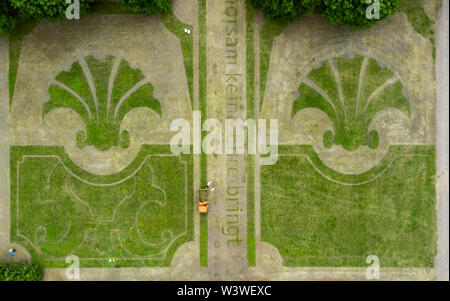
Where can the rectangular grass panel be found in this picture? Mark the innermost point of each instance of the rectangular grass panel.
(315, 216)
(139, 216)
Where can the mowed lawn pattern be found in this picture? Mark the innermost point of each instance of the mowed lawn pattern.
(351, 91)
(314, 218)
(102, 103)
(139, 216)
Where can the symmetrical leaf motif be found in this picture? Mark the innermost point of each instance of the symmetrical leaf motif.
(102, 92)
(75, 216)
(351, 91)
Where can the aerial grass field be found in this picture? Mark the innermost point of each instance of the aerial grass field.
(317, 217)
(363, 90)
(139, 216)
(90, 105)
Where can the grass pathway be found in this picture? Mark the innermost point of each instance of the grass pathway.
(227, 223)
(4, 151)
(442, 145)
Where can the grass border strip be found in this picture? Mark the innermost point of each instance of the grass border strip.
(250, 71)
(203, 109)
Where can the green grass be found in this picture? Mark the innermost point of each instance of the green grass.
(419, 20)
(203, 240)
(109, 8)
(251, 234)
(250, 60)
(203, 109)
(20, 272)
(58, 209)
(15, 46)
(314, 221)
(351, 116)
(378, 76)
(325, 79)
(102, 115)
(412, 8)
(349, 71)
(170, 21)
(177, 27)
(268, 33)
(25, 27)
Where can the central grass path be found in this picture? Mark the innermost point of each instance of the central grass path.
(202, 106)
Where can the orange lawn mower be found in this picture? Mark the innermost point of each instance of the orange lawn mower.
(203, 200)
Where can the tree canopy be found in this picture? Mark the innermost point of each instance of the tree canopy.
(20, 272)
(354, 13)
(45, 9)
(13, 11)
(291, 10)
(7, 17)
(147, 6)
(348, 12)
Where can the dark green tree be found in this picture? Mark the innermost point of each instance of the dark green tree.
(147, 6)
(46, 9)
(20, 272)
(288, 10)
(353, 12)
(8, 17)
